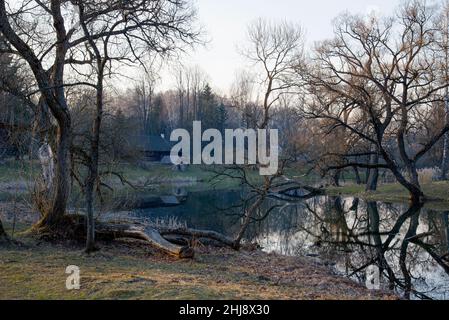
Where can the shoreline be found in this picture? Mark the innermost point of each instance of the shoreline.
(437, 193)
(131, 270)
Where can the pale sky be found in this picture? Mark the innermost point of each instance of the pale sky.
(225, 22)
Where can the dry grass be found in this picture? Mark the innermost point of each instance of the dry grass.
(129, 270)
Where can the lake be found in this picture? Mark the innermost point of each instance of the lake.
(407, 247)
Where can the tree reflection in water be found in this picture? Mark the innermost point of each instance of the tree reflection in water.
(408, 245)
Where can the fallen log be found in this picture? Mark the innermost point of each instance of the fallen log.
(157, 237)
(140, 232)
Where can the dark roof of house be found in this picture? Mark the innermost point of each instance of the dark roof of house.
(151, 143)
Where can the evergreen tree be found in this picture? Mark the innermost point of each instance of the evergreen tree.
(157, 123)
(207, 108)
(222, 117)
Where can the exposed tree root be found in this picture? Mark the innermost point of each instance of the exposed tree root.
(69, 227)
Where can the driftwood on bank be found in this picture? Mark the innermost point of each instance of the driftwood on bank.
(173, 241)
(157, 237)
(146, 233)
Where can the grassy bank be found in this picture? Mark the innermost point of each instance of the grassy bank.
(130, 270)
(436, 192)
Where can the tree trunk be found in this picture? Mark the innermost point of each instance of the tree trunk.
(358, 180)
(92, 178)
(90, 221)
(413, 174)
(246, 222)
(158, 237)
(51, 85)
(339, 226)
(144, 233)
(416, 195)
(336, 178)
(411, 232)
(61, 185)
(373, 174)
(413, 186)
(42, 120)
(445, 161)
(95, 137)
(93, 166)
(376, 240)
(3, 235)
(446, 225)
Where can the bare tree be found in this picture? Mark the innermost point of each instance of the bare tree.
(444, 26)
(50, 82)
(144, 95)
(242, 98)
(48, 50)
(102, 36)
(386, 72)
(183, 93)
(275, 50)
(190, 81)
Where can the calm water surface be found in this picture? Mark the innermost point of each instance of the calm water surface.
(408, 247)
